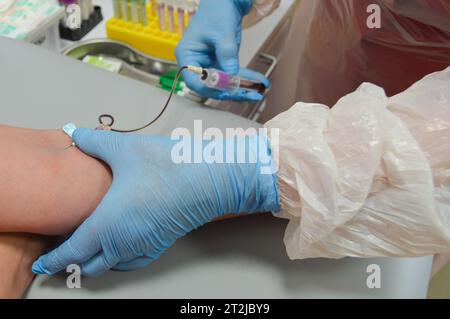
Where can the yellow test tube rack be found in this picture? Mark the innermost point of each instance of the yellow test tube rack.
(148, 39)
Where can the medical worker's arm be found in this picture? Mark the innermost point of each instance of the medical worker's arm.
(213, 39)
(366, 178)
(369, 177)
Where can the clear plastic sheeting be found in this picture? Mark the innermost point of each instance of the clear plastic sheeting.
(331, 49)
(260, 9)
(369, 177)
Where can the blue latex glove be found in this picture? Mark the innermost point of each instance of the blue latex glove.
(213, 39)
(153, 201)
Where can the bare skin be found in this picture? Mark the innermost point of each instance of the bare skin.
(45, 188)
(17, 253)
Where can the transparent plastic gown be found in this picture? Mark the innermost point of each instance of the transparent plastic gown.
(369, 177)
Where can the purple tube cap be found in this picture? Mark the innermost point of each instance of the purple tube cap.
(67, 2)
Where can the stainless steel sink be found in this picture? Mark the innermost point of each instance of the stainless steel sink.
(135, 64)
(119, 50)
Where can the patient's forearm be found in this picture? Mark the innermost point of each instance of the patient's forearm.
(17, 253)
(45, 188)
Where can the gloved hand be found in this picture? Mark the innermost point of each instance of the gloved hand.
(213, 39)
(154, 199)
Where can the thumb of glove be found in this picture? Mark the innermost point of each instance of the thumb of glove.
(98, 143)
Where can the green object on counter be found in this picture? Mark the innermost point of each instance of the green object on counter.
(103, 63)
(166, 81)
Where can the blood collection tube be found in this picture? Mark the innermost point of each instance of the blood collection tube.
(84, 10)
(220, 80)
(161, 15)
(171, 14)
(143, 12)
(118, 9)
(180, 14)
(90, 7)
(125, 10)
(134, 11)
(154, 7)
(191, 7)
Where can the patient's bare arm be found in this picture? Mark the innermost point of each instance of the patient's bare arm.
(17, 253)
(45, 188)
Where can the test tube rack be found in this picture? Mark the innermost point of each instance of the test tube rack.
(148, 39)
